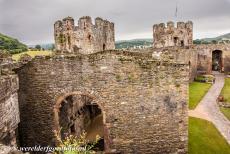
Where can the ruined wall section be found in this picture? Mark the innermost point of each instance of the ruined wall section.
(9, 110)
(165, 36)
(85, 37)
(205, 57)
(144, 97)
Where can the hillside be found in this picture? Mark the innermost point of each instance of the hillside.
(222, 38)
(140, 43)
(11, 44)
(118, 44)
(135, 43)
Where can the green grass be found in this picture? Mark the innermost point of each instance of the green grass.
(204, 138)
(32, 54)
(197, 90)
(226, 112)
(226, 90)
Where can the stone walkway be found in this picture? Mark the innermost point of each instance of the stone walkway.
(209, 110)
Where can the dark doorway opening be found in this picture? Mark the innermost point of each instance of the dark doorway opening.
(103, 47)
(79, 114)
(217, 60)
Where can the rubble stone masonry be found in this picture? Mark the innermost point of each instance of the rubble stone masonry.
(143, 98)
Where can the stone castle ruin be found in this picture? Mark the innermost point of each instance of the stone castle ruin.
(136, 100)
(166, 36)
(85, 38)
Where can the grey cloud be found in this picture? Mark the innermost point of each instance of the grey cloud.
(32, 20)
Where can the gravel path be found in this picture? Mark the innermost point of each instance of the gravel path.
(209, 110)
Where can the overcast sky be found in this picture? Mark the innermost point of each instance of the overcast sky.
(31, 21)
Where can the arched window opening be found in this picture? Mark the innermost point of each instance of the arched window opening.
(89, 37)
(182, 43)
(69, 41)
(175, 40)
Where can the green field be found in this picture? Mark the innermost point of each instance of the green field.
(204, 138)
(226, 90)
(32, 54)
(197, 90)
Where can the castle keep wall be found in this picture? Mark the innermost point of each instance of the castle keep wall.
(165, 36)
(143, 99)
(85, 37)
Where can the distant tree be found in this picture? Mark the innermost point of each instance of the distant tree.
(205, 42)
(52, 47)
(38, 47)
(214, 42)
(197, 42)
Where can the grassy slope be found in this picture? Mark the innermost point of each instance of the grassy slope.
(31, 53)
(204, 138)
(197, 91)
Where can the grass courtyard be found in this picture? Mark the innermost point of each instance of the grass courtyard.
(197, 90)
(32, 54)
(226, 90)
(226, 93)
(204, 138)
(226, 112)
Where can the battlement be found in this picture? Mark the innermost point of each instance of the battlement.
(68, 18)
(85, 37)
(171, 35)
(171, 24)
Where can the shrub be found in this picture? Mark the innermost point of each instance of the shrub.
(205, 78)
(78, 144)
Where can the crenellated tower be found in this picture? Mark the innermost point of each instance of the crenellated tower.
(86, 37)
(181, 35)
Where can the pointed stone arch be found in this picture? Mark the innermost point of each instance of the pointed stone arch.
(78, 112)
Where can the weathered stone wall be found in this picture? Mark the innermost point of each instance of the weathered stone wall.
(85, 37)
(182, 35)
(9, 111)
(143, 100)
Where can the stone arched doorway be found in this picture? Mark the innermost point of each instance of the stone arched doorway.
(76, 113)
(217, 61)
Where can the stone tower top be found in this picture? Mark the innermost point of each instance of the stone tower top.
(181, 35)
(85, 37)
